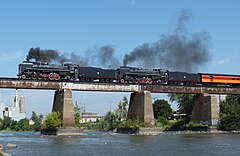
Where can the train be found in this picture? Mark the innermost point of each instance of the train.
(124, 74)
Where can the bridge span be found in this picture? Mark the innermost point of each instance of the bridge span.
(15, 83)
(140, 106)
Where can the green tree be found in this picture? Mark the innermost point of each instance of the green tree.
(52, 120)
(1, 123)
(110, 121)
(185, 102)
(121, 111)
(77, 115)
(14, 125)
(6, 124)
(230, 113)
(37, 121)
(161, 108)
(23, 125)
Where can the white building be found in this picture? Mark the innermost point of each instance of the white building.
(17, 111)
(2, 107)
(90, 117)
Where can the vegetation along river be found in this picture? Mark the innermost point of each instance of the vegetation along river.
(102, 144)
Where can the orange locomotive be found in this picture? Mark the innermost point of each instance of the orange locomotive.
(220, 79)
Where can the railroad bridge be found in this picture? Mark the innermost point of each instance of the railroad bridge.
(205, 109)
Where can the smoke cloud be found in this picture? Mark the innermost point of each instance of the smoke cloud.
(178, 50)
(42, 55)
(103, 57)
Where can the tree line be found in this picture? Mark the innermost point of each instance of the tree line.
(163, 114)
(8, 124)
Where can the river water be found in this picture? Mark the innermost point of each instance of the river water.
(104, 144)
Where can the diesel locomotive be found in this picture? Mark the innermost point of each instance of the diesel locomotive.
(124, 74)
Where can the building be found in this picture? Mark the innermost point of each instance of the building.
(2, 107)
(17, 111)
(89, 117)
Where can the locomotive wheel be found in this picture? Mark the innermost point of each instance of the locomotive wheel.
(131, 81)
(51, 76)
(135, 81)
(67, 77)
(40, 76)
(45, 76)
(111, 80)
(56, 76)
(122, 81)
(145, 81)
(34, 76)
(23, 76)
(141, 81)
(149, 81)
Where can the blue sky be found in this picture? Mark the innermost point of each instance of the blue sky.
(79, 25)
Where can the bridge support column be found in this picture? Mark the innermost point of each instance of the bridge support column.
(205, 109)
(63, 104)
(140, 107)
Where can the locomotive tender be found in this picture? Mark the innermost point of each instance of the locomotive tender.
(124, 74)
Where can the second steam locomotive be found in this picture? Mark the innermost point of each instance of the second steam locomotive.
(124, 74)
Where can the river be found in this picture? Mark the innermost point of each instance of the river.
(104, 144)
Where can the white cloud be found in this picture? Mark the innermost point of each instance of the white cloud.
(223, 61)
(6, 57)
(132, 2)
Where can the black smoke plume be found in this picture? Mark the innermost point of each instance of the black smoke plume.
(42, 55)
(103, 57)
(178, 50)
(107, 58)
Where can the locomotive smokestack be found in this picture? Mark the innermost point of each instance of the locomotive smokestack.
(177, 50)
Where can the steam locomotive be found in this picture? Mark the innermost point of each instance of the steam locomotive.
(124, 74)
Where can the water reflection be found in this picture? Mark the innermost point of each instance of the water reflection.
(140, 139)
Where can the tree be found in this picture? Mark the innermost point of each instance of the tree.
(161, 108)
(23, 125)
(77, 115)
(37, 121)
(230, 113)
(110, 121)
(1, 123)
(185, 102)
(52, 121)
(6, 124)
(121, 111)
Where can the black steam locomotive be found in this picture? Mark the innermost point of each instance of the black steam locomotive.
(74, 72)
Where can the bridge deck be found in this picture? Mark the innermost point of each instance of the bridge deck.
(112, 87)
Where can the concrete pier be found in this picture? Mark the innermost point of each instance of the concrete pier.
(140, 107)
(63, 104)
(205, 109)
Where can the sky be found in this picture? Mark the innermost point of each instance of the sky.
(79, 25)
